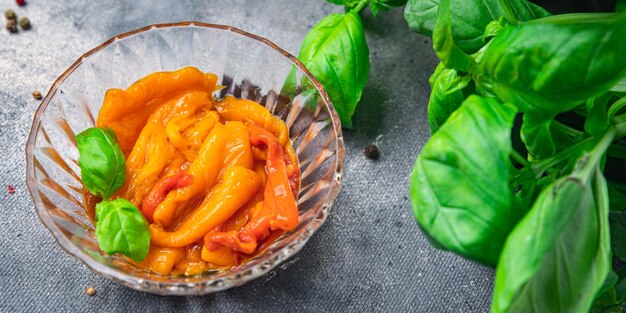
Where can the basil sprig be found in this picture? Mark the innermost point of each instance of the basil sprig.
(542, 198)
(120, 227)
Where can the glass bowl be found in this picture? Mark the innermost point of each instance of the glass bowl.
(249, 67)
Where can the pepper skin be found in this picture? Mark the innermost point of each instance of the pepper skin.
(239, 185)
(127, 111)
(160, 191)
(224, 147)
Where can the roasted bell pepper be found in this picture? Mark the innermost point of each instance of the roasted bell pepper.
(160, 191)
(154, 152)
(224, 147)
(277, 211)
(278, 193)
(238, 186)
(127, 111)
(233, 109)
(162, 260)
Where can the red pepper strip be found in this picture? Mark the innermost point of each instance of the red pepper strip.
(259, 225)
(160, 190)
(280, 210)
(230, 239)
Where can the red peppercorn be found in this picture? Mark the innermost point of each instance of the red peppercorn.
(20, 2)
(11, 189)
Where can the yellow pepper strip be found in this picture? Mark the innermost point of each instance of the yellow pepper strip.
(153, 152)
(205, 170)
(225, 146)
(233, 109)
(177, 129)
(193, 264)
(222, 256)
(239, 185)
(238, 151)
(127, 111)
(162, 260)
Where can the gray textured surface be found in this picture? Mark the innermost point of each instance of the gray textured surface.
(369, 256)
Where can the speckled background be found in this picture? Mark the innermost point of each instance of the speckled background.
(369, 256)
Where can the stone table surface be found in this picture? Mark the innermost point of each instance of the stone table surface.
(369, 256)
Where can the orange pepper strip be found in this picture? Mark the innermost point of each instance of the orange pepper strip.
(177, 127)
(162, 260)
(233, 109)
(154, 152)
(278, 209)
(127, 111)
(193, 264)
(160, 190)
(277, 189)
(225, 146)
(222, 256)
(239, 185)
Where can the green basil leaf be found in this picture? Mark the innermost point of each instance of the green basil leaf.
(101, 161)
(555, 63)
(460, 183)
(609, 283)
(122, 229)
(520, 11)
(620, 6)
(493, 28)
(444, 45)
(617, 196)
(617, 219)
(558, 256)
(384, 5)
(389, 3)
(597, 121)
(336, 53)
(620, 287)
(343, 2)
(469, 18)
(607, 302)
(537, 135)
(446, 96)
(620, 86)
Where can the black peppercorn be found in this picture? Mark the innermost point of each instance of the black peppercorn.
(371, 152)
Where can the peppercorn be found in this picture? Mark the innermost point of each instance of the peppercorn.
(91, 291)
(10, 14)
(11, 189)
(21, 2)
(24, 23)
(11, 26)
(371, 152)
(37, 94)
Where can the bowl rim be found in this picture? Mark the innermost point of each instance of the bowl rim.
(208, 285)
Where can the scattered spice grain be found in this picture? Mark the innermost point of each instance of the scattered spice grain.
(37, 94)
(10, 14)
(11, 26)
(91, 291)
(371, 152)
(24, 23)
